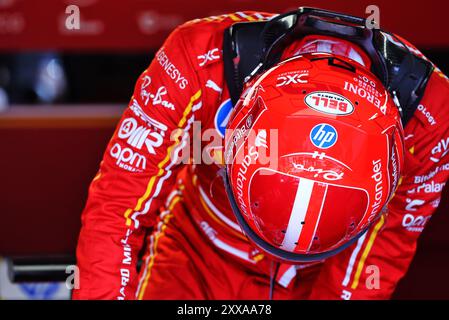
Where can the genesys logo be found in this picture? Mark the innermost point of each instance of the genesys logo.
(137, 136)
(323, 136)
(329, 103)
(295, 77)
(414, 223)
(171, 69)
(128, 159)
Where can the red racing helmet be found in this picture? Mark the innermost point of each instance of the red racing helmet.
(313, 153)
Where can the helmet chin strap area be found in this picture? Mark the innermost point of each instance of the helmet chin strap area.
(265, 246)
(274, 270)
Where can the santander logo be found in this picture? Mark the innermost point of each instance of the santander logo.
(329, 103)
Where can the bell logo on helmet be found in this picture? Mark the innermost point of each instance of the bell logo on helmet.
(323, 136)
(329, 103)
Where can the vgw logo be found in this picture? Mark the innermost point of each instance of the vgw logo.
(323, 136)
(222, 117)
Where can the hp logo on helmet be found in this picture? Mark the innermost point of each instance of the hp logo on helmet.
(323, 136)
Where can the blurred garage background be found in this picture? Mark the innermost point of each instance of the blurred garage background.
(62, 91)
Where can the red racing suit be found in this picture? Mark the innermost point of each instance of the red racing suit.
(142, 190)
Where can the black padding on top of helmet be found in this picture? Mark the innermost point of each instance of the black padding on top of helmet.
(242, 52)
(257, 46)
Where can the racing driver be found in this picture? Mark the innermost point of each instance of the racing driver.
(293, 156)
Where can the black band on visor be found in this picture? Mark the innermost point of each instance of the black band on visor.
(282, 254)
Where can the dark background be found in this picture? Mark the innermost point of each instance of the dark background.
(63, 92)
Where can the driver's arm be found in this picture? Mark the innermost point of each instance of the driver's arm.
(137, 172)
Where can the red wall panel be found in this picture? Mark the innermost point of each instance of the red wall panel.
(143, 24)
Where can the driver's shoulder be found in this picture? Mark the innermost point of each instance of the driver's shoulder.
(204, 36)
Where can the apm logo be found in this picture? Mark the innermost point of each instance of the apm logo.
(323, 136)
